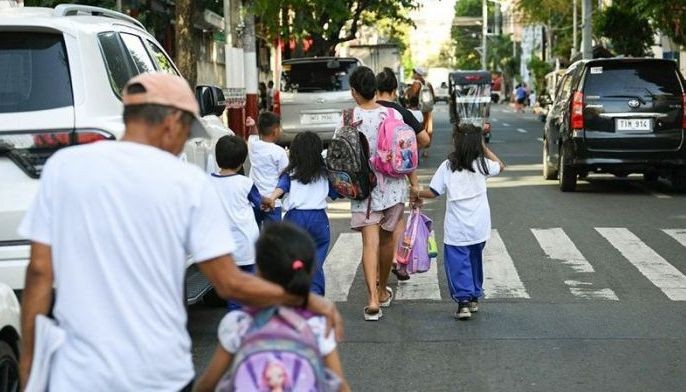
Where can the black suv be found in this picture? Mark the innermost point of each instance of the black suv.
(618, 116)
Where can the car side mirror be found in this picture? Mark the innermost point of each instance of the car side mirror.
(211, 100)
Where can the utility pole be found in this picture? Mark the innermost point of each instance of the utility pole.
(575, 24)
(250, 60)
(484, 34)
(235, 80)
(586, 32)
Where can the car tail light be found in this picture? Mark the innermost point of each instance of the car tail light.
(31, 149)
(577, 112)
(683, 115)
(277, 102)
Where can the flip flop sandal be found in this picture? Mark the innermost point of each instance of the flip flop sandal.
(387, 302)
(402, 276)
(376, 316)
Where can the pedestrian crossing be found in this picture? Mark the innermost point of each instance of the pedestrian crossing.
(503, 271)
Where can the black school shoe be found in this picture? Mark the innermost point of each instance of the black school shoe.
(474, 305)
(463, 312)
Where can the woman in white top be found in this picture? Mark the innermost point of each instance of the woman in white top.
(467, 224)
(382, 227)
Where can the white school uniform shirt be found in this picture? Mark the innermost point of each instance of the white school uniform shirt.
(121, 219)
(235, 325)
(394, 190)
(467, 214)
(418, 115)
(239, 195)
(267, 161)
(299, 196)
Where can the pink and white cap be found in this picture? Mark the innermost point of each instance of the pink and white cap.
(166, 90)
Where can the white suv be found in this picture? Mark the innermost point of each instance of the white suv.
(61, 74)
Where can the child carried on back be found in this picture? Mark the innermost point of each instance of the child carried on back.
(278, 348)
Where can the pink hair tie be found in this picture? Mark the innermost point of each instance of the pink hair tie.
(297, 264)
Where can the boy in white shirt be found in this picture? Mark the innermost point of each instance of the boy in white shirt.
(267, 162)
(239, 196)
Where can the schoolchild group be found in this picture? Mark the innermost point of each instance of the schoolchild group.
(300, 183)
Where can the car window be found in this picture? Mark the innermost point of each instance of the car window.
(565, 88)
(163, 62)
(138, 53)
(332, 75)
(34, 72)
(117, 62)
(633, 79)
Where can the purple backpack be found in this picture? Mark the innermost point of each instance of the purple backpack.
(279, 351)
(413, 250)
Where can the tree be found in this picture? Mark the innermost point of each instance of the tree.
(539, 69)
(186, 49)
(669, 17)
(629, 32)
(326, 23)
(466, 39)
(556, 17)
(52, 3)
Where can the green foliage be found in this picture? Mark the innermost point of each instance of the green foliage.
(539, 69)
(471, 8)
(629, 32)
(52, 3)
(556, 16)
(326, 22)
(669, 17)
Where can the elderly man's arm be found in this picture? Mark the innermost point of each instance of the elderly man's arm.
(36, 299)
(230, 282)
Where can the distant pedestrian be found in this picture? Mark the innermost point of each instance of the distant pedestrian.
(380, 224)
(520, 96)
(267, 162)
(419, 82)
(270, 96)
(239, 196)
(285, 256)
(262, 97)
(467, 224)
(305, 188)
(111, 227)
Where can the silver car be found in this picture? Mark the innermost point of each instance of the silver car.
(313, 93)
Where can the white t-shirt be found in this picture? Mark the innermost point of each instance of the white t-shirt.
(299, 196)
(267, 161)
(418, 115)
(239, 195)
(235, 325)
(393, 190)
(467, 213)
(121, 218)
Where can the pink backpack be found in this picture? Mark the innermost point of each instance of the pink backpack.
(396, 148)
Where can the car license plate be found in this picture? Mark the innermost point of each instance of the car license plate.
(320, 118)
(634, 124)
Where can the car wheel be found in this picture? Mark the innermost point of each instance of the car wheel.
(567, 175)
(548, 172)
(9, 369)
(679, 181)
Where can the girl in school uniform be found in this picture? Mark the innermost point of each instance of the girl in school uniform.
(467, 224)
(305, 188)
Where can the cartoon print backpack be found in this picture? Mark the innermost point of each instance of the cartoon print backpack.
(426, 98)
(396, 148)
(347, 161)
(279, 352)
(413, 253)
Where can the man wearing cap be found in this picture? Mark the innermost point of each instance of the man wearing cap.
(418, 76)
(110, 229)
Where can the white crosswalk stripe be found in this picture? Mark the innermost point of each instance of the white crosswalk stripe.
(501, 271)
(501, 279)
(662, 274)
(341, 266)
(559, 247)
(420, 286)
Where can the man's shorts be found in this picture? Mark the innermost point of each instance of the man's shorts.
(388, 219)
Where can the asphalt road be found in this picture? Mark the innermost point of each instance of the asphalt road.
(587, 289)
